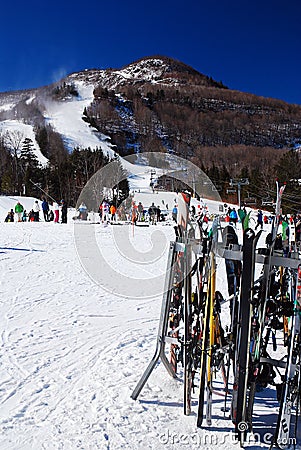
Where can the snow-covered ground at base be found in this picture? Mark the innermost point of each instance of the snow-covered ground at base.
(9, 202)
(72, 352)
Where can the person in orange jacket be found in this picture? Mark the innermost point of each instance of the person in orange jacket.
(113, 212)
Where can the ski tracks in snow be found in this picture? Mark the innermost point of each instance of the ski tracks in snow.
(72, 353)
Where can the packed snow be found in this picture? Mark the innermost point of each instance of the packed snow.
(72, 350)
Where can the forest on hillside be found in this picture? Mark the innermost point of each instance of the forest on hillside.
(65, 175)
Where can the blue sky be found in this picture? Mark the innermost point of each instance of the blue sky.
(252, 46)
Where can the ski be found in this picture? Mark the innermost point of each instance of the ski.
(291, 382)
(185, 312)
(239, 397)
(179, 276)
(209, 368)
(187, 359)
(204, 348)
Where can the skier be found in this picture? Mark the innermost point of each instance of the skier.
(158, 214)
(36, 211)
(83, 214)
(233, 216)
(56, 210)
(19, 210)
(174, 213)
(100, 212)
(10, 216)
(113, 212)
(152, 211)
(45, 209)
(134, 214)
(64, 211)
(140, 212)
(105, 211)
(259, 219)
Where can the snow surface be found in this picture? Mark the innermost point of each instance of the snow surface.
(72, 351)
(6, 106)
(9, 202)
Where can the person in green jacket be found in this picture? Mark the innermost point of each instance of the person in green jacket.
(19, 210)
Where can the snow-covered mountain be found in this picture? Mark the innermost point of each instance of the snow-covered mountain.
(154, 104)
(18, 110)
(156, 70)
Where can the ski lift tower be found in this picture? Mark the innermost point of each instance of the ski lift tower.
(152, 177)
(239, 183)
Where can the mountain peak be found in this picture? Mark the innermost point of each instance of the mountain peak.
(150, 69)
(165, 63)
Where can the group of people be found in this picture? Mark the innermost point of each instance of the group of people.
(34, 214)
(263, 218)
(241, 215)
(107, 211)
(154, 213)
(137, 212)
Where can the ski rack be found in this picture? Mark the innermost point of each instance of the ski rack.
(234, 252)
(176, 247)
(187, 246)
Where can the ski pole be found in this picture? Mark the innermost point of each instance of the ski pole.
(35, 184)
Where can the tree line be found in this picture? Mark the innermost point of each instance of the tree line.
(63, 177)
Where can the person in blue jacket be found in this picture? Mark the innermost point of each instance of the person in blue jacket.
(259, 219)
(45, 209)
(233, 216)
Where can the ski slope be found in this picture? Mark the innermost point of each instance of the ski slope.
(66, 119)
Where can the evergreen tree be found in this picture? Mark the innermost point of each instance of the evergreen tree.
(27, 156)
(29, 166)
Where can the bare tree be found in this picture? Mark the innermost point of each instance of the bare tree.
(13, 141)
